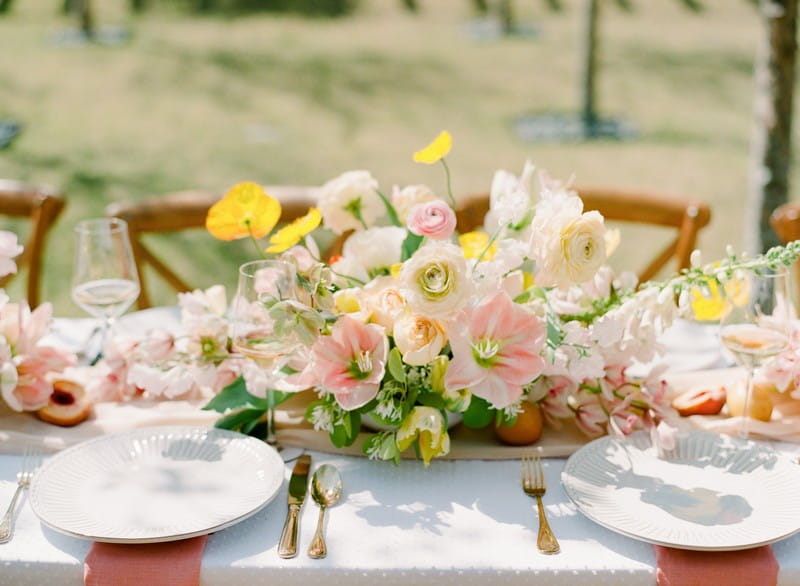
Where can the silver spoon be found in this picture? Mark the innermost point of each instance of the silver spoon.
(326, 488)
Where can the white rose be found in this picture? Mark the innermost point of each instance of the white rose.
(375, 249)
(343, 199)
(434, 280)
(419, 338)
(405, 199)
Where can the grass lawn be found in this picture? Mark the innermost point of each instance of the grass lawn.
(205, 102)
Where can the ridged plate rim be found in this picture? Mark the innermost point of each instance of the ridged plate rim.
(266, 467)
(613, 508)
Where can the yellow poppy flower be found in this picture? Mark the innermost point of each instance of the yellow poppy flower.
(474, 243)
(291, 234)
(246, 209)
(712, 304)
(435, 151)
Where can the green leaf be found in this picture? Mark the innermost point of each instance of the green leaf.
(395, 365)
(553, 330)
(346, 433)
(431, 400)
(479, 413)
(240, 420)
(383, 445)
(236, 396)
(233, 396)
(390, 211)
(410, 246)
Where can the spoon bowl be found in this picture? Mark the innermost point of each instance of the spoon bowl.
(326, 490)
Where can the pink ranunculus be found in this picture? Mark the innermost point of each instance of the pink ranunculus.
(434, 219)
(351, 362)
(496, 350)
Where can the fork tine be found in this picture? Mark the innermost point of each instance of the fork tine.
(539, 472)
(524, 472)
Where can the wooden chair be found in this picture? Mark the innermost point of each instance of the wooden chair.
(686, 216)
(785, 220)
(41, 206)
(185, 210)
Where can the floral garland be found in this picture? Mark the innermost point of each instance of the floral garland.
(26, 365)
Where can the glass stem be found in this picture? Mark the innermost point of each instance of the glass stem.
(744, 431)
(271, 438)
(105, 329)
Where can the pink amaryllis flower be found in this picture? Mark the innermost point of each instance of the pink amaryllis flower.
(350, 363)
(496, 350)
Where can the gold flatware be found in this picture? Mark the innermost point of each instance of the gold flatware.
(30, 463)
(298, 485)
(534, 486)
(326, 489)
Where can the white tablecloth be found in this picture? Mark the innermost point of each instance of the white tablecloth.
(457, 522)
(463, 522)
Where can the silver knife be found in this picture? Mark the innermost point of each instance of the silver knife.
(298, 485)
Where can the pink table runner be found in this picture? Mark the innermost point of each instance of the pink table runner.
(680, 567)
(173, 563)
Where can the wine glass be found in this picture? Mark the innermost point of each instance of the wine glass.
(754, 325)
(104, 278)
(255, 334)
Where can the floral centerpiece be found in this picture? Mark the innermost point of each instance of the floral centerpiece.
(414, 324)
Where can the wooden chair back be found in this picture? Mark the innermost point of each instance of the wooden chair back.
(184, 210)
(41, 206)
(686, 216)
(785, 220)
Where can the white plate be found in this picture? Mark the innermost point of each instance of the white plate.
(714, 493)
(156, 484)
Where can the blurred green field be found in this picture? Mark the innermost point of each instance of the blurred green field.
(207, 101)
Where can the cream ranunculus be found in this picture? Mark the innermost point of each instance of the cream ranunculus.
(419, 338)
(427, 424)
(405, 199)
(583, 246)
(346, 198)
(434, 280)
(567, 245)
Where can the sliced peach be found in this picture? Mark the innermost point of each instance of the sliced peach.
(68, 405)
(700, 402)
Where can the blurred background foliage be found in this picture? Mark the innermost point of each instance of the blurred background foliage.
(202, 94)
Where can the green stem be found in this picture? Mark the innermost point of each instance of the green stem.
(492, 240)
(392, 213)
(255, 241)
(449, 186)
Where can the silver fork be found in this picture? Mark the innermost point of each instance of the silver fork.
(534, 486)
(30, 463)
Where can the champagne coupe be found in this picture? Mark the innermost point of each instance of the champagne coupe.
(104, 278)
(262, 284)
(754, 326)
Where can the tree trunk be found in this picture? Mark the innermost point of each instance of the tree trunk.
(507, 20)
(589, 63)
(86, 17)
(772, 141)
